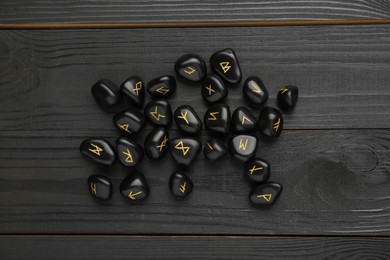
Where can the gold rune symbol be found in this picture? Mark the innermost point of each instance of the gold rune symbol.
(256, 89)
(133, 196)
(129, 157)
(255, 169)
(93, 188)
(276, 125)
(283, 90)
(163, 143)
(243, 145)
(138, 87)
(97, 149)
(209, 145)
(184, 149)
(245, 118)
(266, 197)
(162, 90)
(225, 66)
(156, 115)
(189, 70)
(184, 117)
(210, 89)
(213, 116)
(183, 187)
(124, 127)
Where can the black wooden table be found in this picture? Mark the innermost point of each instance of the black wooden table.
(333, 157)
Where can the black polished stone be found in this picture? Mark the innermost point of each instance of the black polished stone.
(243, 147)
(162, 87)
(156, 143)
(214, 149)
(98, 150)
(159, 112)
(129, 121)
(288, 97)
(134, 90)
(106, 94)
(225, 64)
(265, 194)
(187, 120)
(270, 122)
(184, 150)
(180, 184)
(100, 187)
(217, 118)
(129, 152)
(213, 89)
(254, 91)
(134, 187)
(257, 170)
(243, 120)
(191, 67)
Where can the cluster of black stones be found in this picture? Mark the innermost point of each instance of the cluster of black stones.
(242, 145)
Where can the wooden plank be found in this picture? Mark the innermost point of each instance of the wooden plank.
(335, 182)
(155, 11)
(342, 72)
(177, 247)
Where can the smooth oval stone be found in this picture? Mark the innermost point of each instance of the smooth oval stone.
(133, 89)
(254, 91)
(129, 121)
(257, 170)
(129, 152)
(191, 67)
(214, 149)
(217, 118)
(184, 150)
(265, 194)
(180, 184)
(159, 112)
(98, 150)
(156, 143)
(162, 87)
(270, 122)
(243, 120)
(243, 147)
(288, 97)
(225, 64)
(106, 94)
(187, 120)
(100, 187)
(213, 89)
(134, 187)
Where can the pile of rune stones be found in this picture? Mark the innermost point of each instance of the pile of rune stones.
(242, 145)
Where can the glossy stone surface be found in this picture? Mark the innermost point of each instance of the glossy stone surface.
(129, 152)
(191, 67)
(243, 147)
(100, 187)
(156, 143)
(265, 194)
(184, 150)
(288, 97)
(254, 91)
(180, 184)
(217, 118)
(162, 87)
(106, 94)
(159, 112)
(257, 170)
(243, 120)
(187, 120)
(133, 89)
(98, 150)
(134, 187)
(270, 122)
(214, 149)
(225, 64)
(213, 89)
(129, 122)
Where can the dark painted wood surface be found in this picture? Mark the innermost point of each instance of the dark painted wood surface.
(151, 11)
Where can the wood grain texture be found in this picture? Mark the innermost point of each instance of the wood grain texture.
(174, 247)
(154, 11)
